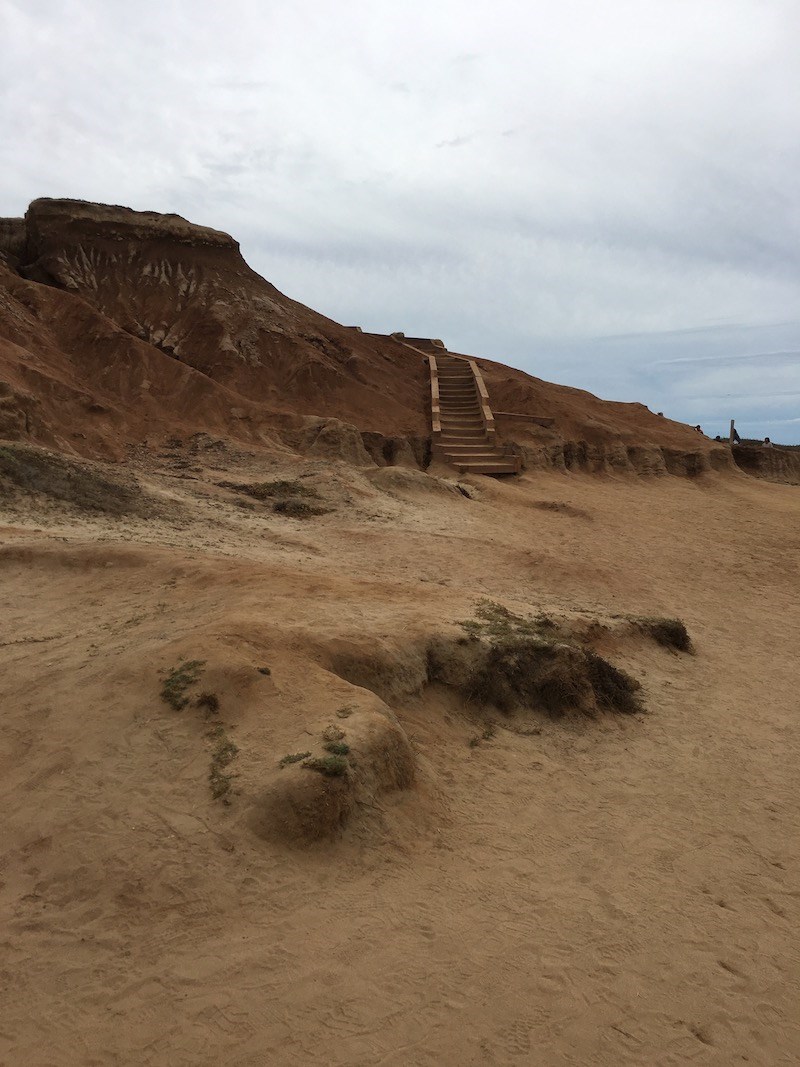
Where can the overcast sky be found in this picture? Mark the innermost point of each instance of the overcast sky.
(604, 194)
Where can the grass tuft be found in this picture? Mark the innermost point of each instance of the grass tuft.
(208, 702)
(222, 756)
(293, 757)
(179, 680)
(271, 490)
(330, 766)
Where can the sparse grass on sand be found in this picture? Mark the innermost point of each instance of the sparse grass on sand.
(289, 497)
(179, 680)
(222, 756)
(331, 766)
(38, 471)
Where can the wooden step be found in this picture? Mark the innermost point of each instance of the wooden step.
(500, 466)
(479, 448)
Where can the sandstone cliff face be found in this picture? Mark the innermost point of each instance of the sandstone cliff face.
(776, 464)
(119, 326)
(186, 291)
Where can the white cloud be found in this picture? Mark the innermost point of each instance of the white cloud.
(521, 178)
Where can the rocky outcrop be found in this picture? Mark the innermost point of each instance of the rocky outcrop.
(616, 457)
(12, 240)
(119, 326)
(185, 291)
(776, 464)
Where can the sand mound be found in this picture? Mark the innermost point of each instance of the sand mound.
(361, 753)
(400, 481)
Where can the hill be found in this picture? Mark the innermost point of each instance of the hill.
(118, 327)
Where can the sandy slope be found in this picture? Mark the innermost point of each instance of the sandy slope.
(613, 892)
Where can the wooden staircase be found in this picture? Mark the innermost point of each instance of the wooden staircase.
(463, 424)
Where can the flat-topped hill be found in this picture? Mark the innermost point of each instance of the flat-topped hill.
(119, 326)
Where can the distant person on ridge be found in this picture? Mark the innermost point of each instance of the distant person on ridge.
(767, 443)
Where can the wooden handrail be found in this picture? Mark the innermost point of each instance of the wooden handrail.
(483, 397)
(540, 420)
(483, 393)
(436, 411)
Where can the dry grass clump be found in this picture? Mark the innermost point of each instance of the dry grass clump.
(497, 623)
(298, 509)
(671, 633)
(513, 661)
(37, 471)
(289, 497)
(282, 488)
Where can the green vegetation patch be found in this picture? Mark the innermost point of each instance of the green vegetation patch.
(331, 766)
(337, 748)
(179, 680)
(293, 757)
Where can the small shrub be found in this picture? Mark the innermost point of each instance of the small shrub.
(294, 757)
(337, 748)
(173, 690)
(208, 702)
(529, 662)
(330, 766)
(671, 633)
(223, 755)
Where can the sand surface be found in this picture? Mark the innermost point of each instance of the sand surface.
(618, 891)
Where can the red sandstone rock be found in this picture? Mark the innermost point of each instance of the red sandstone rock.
(118, 326)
